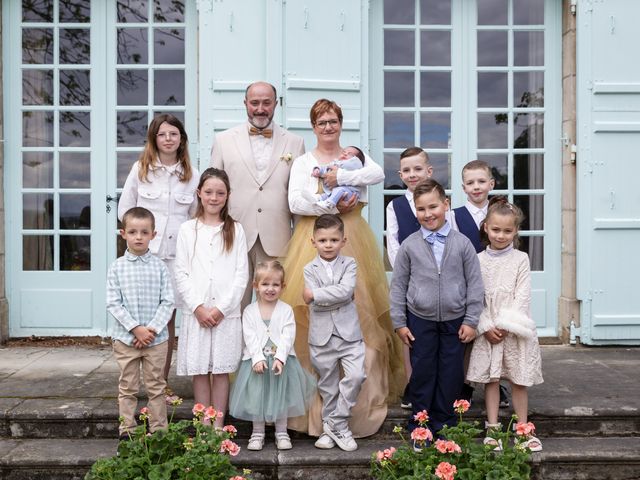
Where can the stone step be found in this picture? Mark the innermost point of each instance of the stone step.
(564, 458)
(98, 418)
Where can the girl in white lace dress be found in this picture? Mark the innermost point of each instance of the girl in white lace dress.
(507, 343)
(211, 276)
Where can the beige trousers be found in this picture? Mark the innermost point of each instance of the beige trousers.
(151, 360)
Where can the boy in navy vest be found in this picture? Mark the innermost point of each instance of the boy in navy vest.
(402, 222)
(477, 182)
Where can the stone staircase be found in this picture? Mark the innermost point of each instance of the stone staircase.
(58, 439)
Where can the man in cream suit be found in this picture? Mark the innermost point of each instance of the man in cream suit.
(257, 156)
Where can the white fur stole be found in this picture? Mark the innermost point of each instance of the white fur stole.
(516, 322)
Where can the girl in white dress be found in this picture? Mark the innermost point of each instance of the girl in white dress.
(164, 182)
(507, 344)
(211, 276)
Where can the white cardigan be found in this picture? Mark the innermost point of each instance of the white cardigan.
(300, 179)
(281, 330)
(200, 265)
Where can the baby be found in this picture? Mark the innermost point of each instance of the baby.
(351, 158)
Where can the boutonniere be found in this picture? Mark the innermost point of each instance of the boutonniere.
(287, 157)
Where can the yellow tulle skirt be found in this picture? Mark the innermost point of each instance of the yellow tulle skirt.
(383, 350)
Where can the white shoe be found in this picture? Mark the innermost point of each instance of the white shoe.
(309, 197)
(325, 442)
(256, 442)
(283, 442)
(343, 439)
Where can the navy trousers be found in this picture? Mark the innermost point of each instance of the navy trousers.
(437, 358)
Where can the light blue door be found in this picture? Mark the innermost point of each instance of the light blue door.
(607, 172)
(86, 78)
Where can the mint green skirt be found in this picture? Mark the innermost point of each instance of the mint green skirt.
(266, 397)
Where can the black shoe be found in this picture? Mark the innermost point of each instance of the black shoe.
(504, 397)
(125, 437)
(466, 393)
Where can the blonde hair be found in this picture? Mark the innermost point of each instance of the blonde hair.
(264, 268)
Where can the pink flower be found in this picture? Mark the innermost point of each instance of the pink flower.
(220, 415)
(446, 471)
(385, 454)
(210, 412)
(144, 411)
(230, 429)
(237, 477)
(461, 406)
(198, 408)
(229, 446)
(421, 434)
(421, 417)
(447, 446)
(525, 429)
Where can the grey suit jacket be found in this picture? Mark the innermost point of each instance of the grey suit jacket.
(261, 206)
(332, 305)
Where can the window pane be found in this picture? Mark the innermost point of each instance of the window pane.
(492, 130)
(441, 168)
(168, 87)
(528, 171)
(37, 11)
(75, 170)
(178, 115)
(75, 252)
(133, 46)
(168, 45)
(528, 89)
(398, 130)
(399, 48)
(528, 130)
(528, 12)
(37, 129)
(399, 89)
(435, 12)
(75, 87)
(37, 252)
(75, 46)
(399, 11)
(499, 168)
(534, 246)
(435, 89)
(37, 170)
(435, 48)
(435, 130)
(75, 129)
(37, 45)
(168, 11)
(391, 166)
(75, 211)
(125, 162)
(37, 87)
(37, 211)
(492, 12)
(133, 87)
(492, 89)
(533, 208)
(132, 11)
(131, 128)
(75, 11)
(528, 48)
(492, 48)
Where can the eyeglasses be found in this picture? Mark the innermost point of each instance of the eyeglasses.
(170, 135)
(323, 123)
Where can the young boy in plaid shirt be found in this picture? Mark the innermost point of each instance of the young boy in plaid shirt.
(140, 298)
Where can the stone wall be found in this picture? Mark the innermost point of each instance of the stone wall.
(4, 306)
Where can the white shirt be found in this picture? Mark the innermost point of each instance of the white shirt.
(478, 215)
(328, 266)
(392, 228)
(262, 147)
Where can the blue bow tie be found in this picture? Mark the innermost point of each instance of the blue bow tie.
(433, 236)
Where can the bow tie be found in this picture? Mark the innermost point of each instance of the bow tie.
(433, 236)
(265, 132)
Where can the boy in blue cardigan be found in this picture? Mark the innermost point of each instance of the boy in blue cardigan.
(436, 299)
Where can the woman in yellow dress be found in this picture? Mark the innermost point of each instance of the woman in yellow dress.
(383, 352)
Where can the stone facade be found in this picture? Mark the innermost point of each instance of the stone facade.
(4, 306)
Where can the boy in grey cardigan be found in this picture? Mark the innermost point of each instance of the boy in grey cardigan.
(436, 299)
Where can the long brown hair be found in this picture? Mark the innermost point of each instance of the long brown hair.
(150, 152)
(228, 224)
(499, 205)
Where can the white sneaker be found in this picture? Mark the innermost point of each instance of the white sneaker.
(309, 197)
(283, 442)
(325, 442)
(256, 442)
(343, 439)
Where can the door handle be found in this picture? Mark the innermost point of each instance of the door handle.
(111, 199)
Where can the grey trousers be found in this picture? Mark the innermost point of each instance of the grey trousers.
(338, 395)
